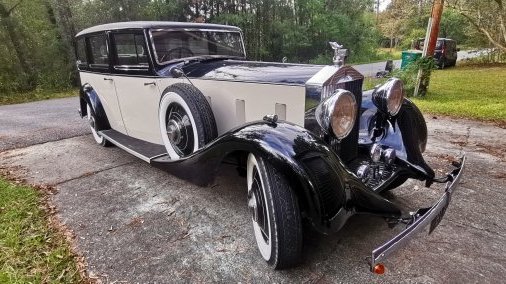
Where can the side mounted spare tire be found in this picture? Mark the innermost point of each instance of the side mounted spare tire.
(186, 120)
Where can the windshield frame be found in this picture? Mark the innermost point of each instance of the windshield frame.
(155, 55)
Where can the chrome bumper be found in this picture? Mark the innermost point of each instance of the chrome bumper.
(420, 219)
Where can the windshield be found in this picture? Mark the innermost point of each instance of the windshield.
(172, 45)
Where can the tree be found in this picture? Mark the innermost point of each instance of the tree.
(11, 26)
(487, 16)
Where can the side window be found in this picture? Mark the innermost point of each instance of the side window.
(81, 51)
(99, 52)
(131, 50)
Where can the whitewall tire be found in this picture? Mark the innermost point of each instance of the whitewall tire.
(92, 121)
(186, 120)
(275, 214)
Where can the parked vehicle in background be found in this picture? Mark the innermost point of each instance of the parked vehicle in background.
(311, 143)
(445, 53)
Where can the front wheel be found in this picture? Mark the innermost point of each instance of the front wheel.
(275, 214)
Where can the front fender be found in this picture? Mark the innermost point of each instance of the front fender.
(329, 194)
(406, 133)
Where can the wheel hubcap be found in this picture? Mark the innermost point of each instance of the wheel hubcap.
(180, 130)
(252, 205)
(257, 206)
(91, 121)
(174, 131)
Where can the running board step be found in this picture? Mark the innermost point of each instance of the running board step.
(141, 149)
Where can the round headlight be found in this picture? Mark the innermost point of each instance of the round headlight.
(388, 97)
(337, 114)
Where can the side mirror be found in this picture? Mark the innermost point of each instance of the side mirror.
(176, 72)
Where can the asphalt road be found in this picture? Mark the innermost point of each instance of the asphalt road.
(137, 224)
(28, 124)
(370, 70)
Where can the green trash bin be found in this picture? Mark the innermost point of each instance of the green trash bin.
(409, 56)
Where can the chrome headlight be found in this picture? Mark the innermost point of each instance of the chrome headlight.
(337, 113)
(388, 97)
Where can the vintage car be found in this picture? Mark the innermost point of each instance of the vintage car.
(312, 145)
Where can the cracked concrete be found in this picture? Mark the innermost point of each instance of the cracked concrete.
(137, 224)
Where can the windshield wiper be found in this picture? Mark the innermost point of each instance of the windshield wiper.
(207, 58)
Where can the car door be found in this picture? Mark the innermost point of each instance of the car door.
(98, 76)
(136, 86)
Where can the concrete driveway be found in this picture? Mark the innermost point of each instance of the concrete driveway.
(137, 224)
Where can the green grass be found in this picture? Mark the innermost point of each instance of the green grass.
(18, 98)
(469, 91)
(476, 92)
(30, 250)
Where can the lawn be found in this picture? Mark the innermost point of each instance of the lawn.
(470, 91)
(18, 98)
(31, 251)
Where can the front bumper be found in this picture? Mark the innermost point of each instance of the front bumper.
(420, 219)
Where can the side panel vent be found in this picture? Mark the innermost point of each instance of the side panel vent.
(240, 111)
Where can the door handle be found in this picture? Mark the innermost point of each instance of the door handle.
(150, 83)
(107, 79)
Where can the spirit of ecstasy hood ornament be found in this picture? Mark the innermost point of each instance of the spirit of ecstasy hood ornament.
(340, 53)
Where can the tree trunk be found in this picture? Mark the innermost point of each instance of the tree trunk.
(67, 31)
(20, 50)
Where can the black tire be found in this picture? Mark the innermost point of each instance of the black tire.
(99, 139)
(181, 103)
(281, 247)
(442, 65)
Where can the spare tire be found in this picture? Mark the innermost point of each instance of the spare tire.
(186, 120)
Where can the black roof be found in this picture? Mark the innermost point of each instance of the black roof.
(154, 25)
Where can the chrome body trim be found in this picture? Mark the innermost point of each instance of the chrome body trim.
(420, 221)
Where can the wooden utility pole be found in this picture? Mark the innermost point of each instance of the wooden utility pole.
(429, 47)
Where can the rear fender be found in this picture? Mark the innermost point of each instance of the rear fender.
(89, 96)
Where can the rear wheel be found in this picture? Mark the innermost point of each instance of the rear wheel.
(90, 116)
(275, 214)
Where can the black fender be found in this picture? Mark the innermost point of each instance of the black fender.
(406, 133)
(89, 96)
(328, 193)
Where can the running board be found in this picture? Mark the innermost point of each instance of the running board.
(141, 149)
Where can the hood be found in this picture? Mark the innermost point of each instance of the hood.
(252, 71)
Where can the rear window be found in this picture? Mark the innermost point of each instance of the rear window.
(99, 51)
(439, 44)
(131, 49)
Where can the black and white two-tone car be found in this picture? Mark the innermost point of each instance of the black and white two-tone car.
(312, 145)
